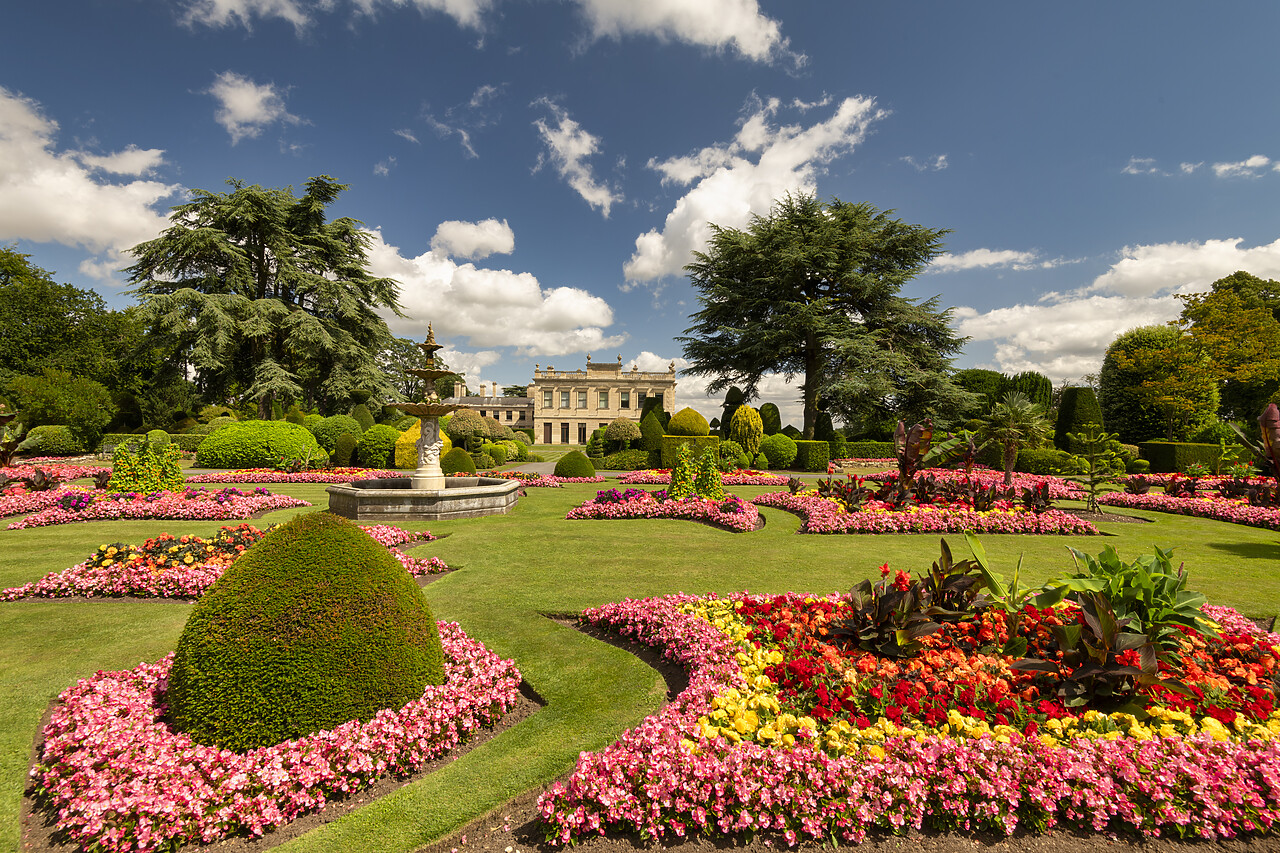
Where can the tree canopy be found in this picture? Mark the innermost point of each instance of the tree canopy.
(269, 301)
(812, 289)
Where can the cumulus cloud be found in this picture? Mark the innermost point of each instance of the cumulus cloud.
(473, 240)
(718, 24)
(568, 148)
(48, 196)
(1249, 168)
(980, 258)
(246, 108)
(491, 307)
(1065, 335)
(733, 180)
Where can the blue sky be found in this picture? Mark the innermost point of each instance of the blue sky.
(536, 173)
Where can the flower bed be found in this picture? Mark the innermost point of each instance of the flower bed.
(58, 473)
(117, 777)
(781, 732)
(662, 476)
(821, 515)
(1059, 488)
(270, 475)
(1202, 506)
(170, 566)
(865, 463)
(70, 504)
(731, 513)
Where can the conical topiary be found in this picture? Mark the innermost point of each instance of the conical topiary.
(707, 482)
(315, 625)
(683, 475)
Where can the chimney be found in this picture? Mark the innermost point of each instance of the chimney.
(495, 389)
(457, 389)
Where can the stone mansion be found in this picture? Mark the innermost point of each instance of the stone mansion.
(563, 407)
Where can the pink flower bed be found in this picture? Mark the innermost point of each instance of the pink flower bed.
(985, 477)
(666, 778)
(662, 476)
(16, 500)
(60, 473)
(268, 475)
(185, 567)
(1201, 506)
(825, 516)
(119, 779)
(732, 513)
(192, 505)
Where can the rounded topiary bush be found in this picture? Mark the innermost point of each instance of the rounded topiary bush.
(574, 464)
(779, 449)
(315, 625)
(462, 424)
(257, 444)
(158, 438)
(328, 430)
(51, 440)
(377, 447)
(344, 449)
(688, 422)
(622, 431)
(360, 412)
(483, 461)
(457, 461)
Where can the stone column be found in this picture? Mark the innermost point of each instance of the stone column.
(429, 475)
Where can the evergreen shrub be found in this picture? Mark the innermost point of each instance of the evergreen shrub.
(1077, 408)
(747, 429)
(698, 445)
(650, 433)
(624, 460)
(483, 461)
(761, 462)
(51, 440)
(462, 424)
(688, 422)
(328, 430)
(574, 464)
(456, 461)
(792, 432)
(315, 625)
(770, 419)
(779, 451)
(870, 450)
(377, 447)
(1042, 461)
(362, 416)
(1173, 457)
(496, 451)
(257, 444)
(812, 455)
(344, 449)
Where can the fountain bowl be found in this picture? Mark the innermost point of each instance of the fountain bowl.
(394, 499)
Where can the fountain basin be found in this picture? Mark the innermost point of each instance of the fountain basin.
(394, 499)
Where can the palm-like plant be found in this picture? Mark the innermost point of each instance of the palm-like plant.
(1013, 423)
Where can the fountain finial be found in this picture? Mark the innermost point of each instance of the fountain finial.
(431, 335)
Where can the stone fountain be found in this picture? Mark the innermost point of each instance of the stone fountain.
(428, 494)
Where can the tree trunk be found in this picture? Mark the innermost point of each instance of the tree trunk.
(812, 367)
(1010, 459)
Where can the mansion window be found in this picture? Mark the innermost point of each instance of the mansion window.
(604, 400)
(564, 404)
(548, 399)
(582, 399)
(624, 399)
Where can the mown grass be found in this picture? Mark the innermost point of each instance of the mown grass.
(512, 571)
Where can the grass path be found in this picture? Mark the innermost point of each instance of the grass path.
(512, 570)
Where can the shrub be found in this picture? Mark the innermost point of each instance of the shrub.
(1042, 461)
(497, 452)
(158, 438)
(311, 422)
(761, 462)
(747, 429)
(707, 482)
(1077, 408)
(58, 397)
(146, 468)
(483, 461)
(344, 449)
(315, 625)
(360, 412)
(812, 455)
(574, 464)
(870, 450)
(624, 460)
(837, 446)
(377, 447)
(295, 416)
(523, 436)
(595, 444)
(793, 433)
(391, 415)
(688, 421)
(770, 419)
(650, 433)
(208, 413)
(257, 444)
(493, 429)
(462, 424)
(698, 445)
(51, 440)
(779, 450)
(404, 422)
(730, 450)
(622, 431)
(457, 461)
(328, 430)
(407, 446)
(1172, 457)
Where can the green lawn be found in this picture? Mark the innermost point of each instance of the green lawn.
(512, 571)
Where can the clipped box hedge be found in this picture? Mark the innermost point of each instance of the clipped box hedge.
(700, 444)
(1173, 457)
(812, 455)
(185, 441)
(870, 450)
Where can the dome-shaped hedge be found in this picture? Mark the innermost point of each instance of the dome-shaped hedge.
(457, 461)
(575, 464)
(779, 449)
(314, 626)
(688, 422)
(377, 447)
(257, 444)
(463, 423)
(328, 430)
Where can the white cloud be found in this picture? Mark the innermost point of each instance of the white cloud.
(1249, 168)
(471, 365)
(1172, 267)
(717, 24)
(929, 164)
(1065, 335)
(383, 167)
(692, 390)
(48, 196)
(464, 119)
(405, 133)
(733, 180)
(1189, 168)
(491, 308)
(979, 258)
(1142, 166)
(568, 149)
(221, 13)
(245, 108)
(473, 240)
(466, 13)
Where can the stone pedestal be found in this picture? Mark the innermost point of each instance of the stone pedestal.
(428, 475)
